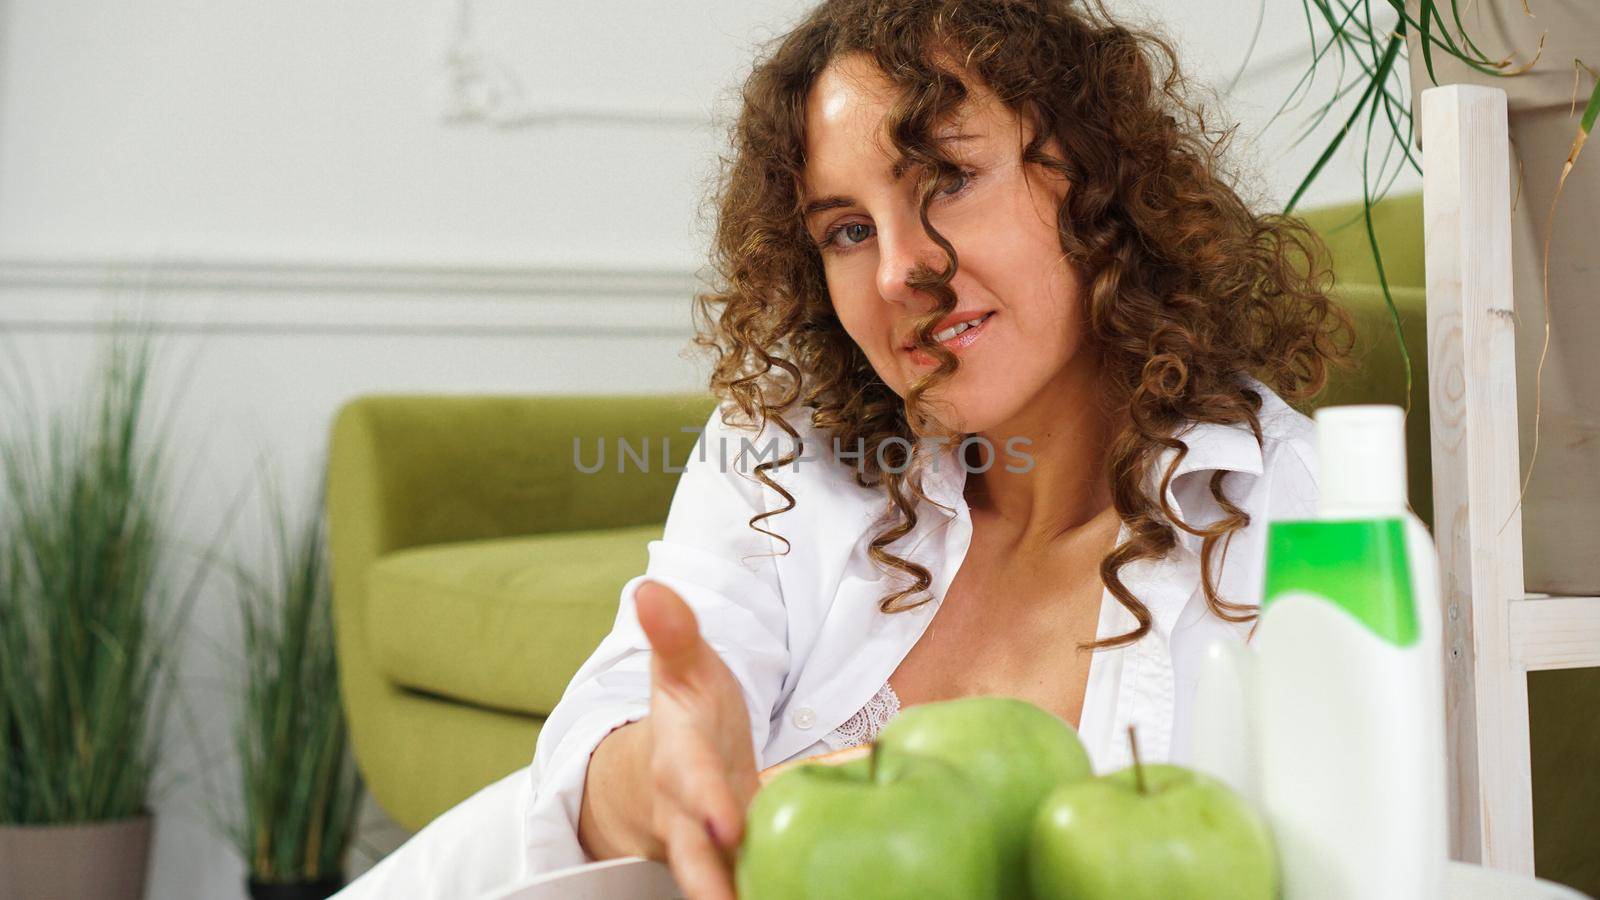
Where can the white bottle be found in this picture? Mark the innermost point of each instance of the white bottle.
(1332, 721)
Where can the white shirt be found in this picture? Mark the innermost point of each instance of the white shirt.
(803, 634)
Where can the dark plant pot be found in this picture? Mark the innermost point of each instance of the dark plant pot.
(294, 890)
(97, 861)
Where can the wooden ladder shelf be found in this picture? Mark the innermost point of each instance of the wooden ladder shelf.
(1495, 631)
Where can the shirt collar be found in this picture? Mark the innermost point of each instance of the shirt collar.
(1212, 447)
(1165, 585)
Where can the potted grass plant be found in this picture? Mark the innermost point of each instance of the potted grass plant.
(83, 665)
(299, 784)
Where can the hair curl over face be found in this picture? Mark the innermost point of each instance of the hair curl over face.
(1188, 289)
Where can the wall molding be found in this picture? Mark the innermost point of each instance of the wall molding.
(325, 275)
(321, 296)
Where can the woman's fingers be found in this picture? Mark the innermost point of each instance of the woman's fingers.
(702, 766)
(699, 867)
(674, 634)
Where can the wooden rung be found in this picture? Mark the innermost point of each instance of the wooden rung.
(1555, 632)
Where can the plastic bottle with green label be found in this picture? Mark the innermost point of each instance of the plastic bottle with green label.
(1332, 719)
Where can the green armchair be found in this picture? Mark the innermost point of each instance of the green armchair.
(475, 567)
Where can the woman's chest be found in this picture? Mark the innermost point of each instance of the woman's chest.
(1009, 625)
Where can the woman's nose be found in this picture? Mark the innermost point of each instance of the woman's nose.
(906, 252)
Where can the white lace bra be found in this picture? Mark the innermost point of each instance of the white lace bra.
(867, 722)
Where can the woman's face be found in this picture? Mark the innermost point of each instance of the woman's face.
(1013, 280)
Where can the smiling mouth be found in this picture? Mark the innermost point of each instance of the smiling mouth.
(955, 338)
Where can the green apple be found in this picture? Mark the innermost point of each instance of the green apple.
(1015, 751)
(893, 829)
(1150, 833)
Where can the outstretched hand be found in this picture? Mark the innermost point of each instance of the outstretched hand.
(702, 765)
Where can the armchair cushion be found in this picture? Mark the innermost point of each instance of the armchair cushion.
(500, 623)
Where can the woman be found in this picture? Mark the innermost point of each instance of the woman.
(1007, 360)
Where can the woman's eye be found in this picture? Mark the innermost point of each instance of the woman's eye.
(830, 240)
(857, 232)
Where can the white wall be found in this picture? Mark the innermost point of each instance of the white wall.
(317, 199)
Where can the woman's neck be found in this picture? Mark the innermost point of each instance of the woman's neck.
(1065, 436)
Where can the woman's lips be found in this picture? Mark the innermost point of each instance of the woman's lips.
(956, 344)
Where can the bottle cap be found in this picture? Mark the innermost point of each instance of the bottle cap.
(1361, 460)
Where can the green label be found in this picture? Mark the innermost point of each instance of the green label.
(1360, 565)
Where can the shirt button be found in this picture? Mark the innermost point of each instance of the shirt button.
(804, 718)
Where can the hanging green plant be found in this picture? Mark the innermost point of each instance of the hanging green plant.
(1372, 45)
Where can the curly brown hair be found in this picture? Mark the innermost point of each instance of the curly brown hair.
(1188, 289)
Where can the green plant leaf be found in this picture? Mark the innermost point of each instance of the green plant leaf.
(1383, 278)
(1590, 112)
(1455, 15)
(1384, 65)
(1428, 12)
(1475, 59)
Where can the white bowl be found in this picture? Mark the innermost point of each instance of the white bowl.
(639, 879)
